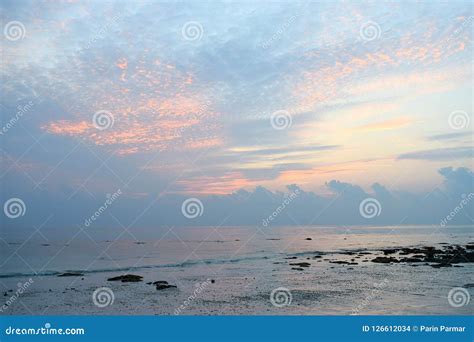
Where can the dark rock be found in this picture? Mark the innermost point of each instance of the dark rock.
(127, 278)
(162, 286)
(212, 281)
(390, 251)
(297, 268)
(340, 262)
(441, 265)
(71, 274)
(301, 264)
(411, 260)
(384, 260)
(308, 239)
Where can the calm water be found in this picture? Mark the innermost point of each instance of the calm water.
(190, 246)
(246, 264)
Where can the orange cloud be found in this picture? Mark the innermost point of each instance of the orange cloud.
(156, 108)
(64, 127)
(219, 185)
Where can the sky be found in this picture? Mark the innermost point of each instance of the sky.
(237, 104)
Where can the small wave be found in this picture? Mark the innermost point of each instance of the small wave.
(188, 263)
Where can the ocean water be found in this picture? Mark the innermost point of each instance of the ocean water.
(245, 264)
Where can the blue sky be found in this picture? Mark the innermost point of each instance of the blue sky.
(167, 101)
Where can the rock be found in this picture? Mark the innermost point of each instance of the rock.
(71, 274)
(384, 260)
(440, 265)
(411, 260)
(160, 282)
(340, 262)
(297, 268)
(212, 281)
(292, 257)
(301, 264)
(390, 251)
(308, 239)
(127, 278)
(162, 286)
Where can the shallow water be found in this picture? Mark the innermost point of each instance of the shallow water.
(246, 264)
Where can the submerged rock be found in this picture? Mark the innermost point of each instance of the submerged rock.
(300, 264)
(71, 274)
(341, 262)
(162, 286)
(384, 260)
(127, 278)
